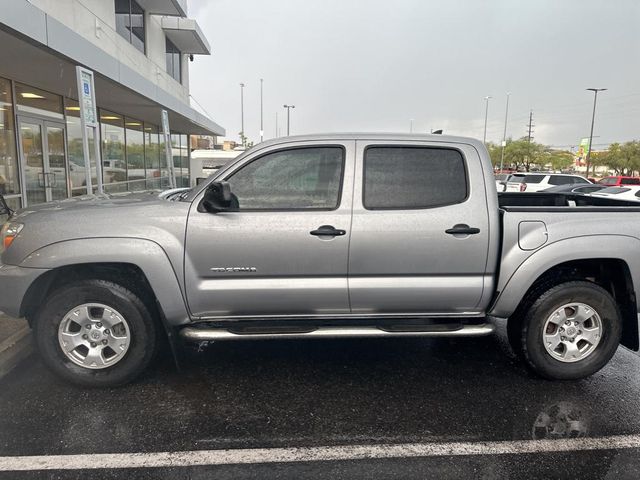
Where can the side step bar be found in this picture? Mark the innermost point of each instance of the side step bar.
(216, 334)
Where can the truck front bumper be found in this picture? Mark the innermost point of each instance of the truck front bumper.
(14, 283)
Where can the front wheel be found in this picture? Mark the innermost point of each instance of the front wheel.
(570, 331)
(95, 333)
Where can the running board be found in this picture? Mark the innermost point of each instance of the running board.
(216, 334)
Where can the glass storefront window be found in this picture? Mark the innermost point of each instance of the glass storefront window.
(32, 100)
(114, 165)
(136, 176)
(152, 155)
(77, 175)
(9, 173)
(183, 179)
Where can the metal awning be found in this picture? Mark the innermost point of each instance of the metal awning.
(186, 35)
(174, 8)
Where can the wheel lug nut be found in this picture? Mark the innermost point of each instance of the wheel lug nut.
(563, 338)
(93, 344)
(571, 340)
(88, 326)
(99, 325)
(106, 332)
(567, 322)
(104, 342)
(85, 336)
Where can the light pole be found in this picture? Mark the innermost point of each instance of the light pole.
(593, 119)
(242, 113)
(288, 107)
(504, 134)
(261, 122)
(486, 114)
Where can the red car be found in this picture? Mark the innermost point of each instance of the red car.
(616, 181)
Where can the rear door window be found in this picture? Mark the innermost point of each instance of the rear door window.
(413, 177)
(560, 180)
(533, 178)
(630, 181)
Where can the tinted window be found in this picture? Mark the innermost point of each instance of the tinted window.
(173, 59)
(630, 181)
(533, 178)
(413, 177)
(130, 22)
(306, 178)
(614, 190)
(589, 189)
(608, 181)
(561, 180)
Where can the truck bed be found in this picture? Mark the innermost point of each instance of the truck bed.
(540, 201)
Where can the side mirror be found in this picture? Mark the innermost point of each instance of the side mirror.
(218, 197)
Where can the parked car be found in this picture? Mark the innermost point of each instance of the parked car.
(501, 181)
(574, 188)
(326, 236)
(536, 182)
(619, 180)
(629, 192)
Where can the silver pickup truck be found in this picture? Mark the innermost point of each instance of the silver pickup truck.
(326, 236)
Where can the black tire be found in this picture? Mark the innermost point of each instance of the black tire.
(143, 332)
(530, 323)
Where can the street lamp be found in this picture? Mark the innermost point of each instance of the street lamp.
(504, 134)
(261, 122)
(486, 114)
(593, 119)
(288, 107)
(242, 113)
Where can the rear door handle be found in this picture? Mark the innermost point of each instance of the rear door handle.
(328, 230)
(462, 229)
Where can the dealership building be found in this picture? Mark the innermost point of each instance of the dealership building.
(139, 51)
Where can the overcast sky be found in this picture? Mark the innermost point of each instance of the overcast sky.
(373, 65)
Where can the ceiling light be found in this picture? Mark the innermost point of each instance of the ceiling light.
(133, 124)
(74, 109)
(30, 95)
(109, 117)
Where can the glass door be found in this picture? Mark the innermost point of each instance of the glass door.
(32, 154)
(42, 150)
(57, 171)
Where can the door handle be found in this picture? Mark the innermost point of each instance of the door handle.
(328, 230)
(462, 229)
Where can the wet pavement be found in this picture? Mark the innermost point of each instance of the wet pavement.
(307, 393)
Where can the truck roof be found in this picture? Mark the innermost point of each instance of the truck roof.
(373, 136)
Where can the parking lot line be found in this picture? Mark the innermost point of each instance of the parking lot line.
(310, 454)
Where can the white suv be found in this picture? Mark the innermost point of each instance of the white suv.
(536, 182)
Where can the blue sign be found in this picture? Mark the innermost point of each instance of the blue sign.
(86, 89)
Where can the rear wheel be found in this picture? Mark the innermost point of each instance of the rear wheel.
(95, 333)
(569, 332)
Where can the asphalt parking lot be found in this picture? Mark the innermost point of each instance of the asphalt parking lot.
(368, 408)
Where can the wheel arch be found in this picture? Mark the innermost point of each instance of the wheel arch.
(140, 265)
(612, 274)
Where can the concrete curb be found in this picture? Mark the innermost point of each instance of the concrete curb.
(14, 349)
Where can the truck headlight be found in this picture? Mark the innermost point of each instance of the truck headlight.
(8, 234)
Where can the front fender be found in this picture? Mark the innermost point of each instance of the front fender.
(145, 254)
(619, 247)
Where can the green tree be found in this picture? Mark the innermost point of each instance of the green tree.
(558, 159)
(522, 154)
